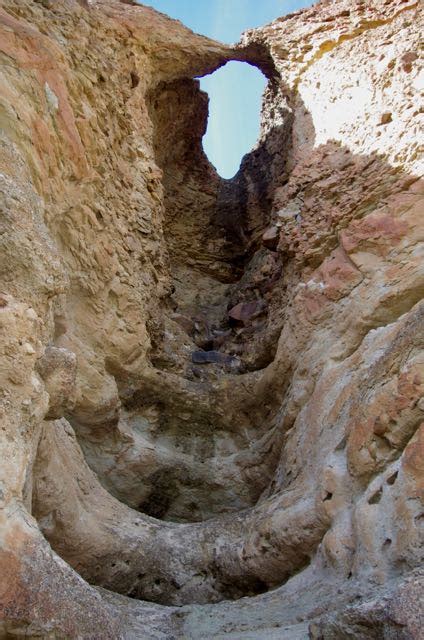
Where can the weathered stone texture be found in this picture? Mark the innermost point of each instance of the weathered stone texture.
(210, 389)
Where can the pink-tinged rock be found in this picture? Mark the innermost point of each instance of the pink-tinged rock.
(377, 230)
(271, 237)
(407, 59)
(338, 274)
(243, 312)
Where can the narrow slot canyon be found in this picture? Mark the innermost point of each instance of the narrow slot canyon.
(185, 444)
(212, 389)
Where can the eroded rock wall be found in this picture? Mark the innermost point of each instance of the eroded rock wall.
(210, 389)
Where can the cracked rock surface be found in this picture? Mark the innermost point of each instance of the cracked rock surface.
(211, 398)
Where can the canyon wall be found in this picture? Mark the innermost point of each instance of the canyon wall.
(212, 411)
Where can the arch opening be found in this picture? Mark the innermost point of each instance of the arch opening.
(235, 99)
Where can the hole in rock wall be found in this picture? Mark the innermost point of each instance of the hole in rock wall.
(235, 97)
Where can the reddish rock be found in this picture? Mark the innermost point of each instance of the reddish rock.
(407, 59)
(271, 237)
(338, 274)
(243, 312)
(379, 231)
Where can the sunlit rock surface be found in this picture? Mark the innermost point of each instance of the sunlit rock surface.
(212, 413)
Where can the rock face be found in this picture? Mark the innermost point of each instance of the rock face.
(210, 389)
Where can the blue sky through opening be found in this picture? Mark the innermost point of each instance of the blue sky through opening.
(235, 91)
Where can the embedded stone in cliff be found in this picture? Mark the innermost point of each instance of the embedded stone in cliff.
(243, 312)
(386, 117)
(271, 237)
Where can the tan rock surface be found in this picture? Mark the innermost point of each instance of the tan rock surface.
(289, 468)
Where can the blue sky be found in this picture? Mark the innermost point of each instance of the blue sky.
(235, 91)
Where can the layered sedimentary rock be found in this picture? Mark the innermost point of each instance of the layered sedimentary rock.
(210, 389)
